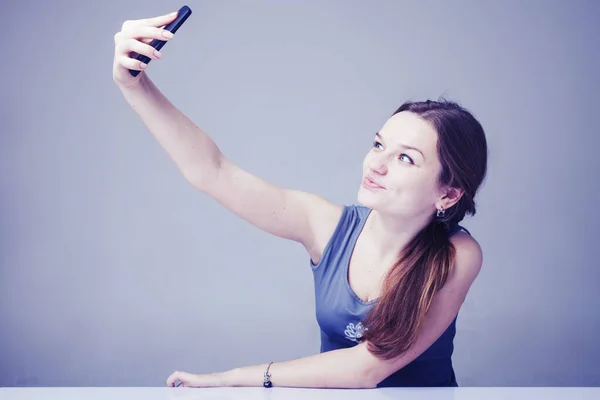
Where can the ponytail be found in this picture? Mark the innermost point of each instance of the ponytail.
(408, 291)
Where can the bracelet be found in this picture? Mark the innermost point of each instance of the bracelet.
(267, 383)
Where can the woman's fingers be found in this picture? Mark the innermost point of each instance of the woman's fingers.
(158, 21)
(132, 40)
(130, 63)
(145, 32)
(195, 380)
(127, 46)
(186, 378)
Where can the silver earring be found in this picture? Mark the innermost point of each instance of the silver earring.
(441, 212)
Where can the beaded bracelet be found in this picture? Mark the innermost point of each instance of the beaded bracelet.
(267, 383)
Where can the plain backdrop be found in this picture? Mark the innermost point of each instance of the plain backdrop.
(116, 272)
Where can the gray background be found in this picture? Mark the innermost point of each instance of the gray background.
(115, 272)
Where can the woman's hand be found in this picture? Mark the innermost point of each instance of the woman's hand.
(195, 380)
(132, 40)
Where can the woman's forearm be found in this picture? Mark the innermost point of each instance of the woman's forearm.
(194, 153)
(344, 368)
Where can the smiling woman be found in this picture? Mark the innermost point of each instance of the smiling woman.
(428, 156)
(390, 274)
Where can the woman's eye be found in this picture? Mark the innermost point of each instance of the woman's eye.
(376, 143)
(407, 157)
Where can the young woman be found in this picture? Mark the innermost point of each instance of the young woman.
(390, 273)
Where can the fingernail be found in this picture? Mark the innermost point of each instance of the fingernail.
(167, 34)
(143, 65)
(157, 54)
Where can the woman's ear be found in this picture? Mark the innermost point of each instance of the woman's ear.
(450, 198)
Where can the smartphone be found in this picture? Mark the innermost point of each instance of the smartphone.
(183, 14)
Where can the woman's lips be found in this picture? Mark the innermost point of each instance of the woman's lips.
(371, 185)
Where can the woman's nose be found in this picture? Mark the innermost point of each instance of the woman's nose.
(378, 165)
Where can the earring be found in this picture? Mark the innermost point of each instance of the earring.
(441, 212)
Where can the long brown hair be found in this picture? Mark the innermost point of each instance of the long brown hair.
(425, 264)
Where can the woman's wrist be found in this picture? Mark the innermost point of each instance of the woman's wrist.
(252, 376)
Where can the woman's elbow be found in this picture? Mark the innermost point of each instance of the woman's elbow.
(361, 378)
(371, 376)
(372, 370)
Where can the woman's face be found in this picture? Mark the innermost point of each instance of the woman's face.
(400, 171)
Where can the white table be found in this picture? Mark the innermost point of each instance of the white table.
(166, 393)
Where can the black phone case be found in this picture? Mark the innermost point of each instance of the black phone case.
(183, 14)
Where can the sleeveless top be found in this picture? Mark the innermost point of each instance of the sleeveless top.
(339, 311)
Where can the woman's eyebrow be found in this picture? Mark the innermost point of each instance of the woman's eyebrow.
(404, 146)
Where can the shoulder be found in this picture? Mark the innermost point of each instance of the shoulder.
(468, 258)
(360, 211)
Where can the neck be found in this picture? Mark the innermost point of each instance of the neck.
(389, 234)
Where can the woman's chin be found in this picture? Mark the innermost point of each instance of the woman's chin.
(367, 198)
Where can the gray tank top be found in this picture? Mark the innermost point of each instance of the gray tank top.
(339, 311)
